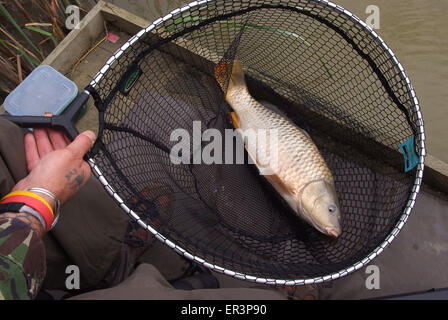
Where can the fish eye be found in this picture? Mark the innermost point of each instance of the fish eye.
(332, 208)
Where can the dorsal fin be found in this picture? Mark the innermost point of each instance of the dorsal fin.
(230, 76)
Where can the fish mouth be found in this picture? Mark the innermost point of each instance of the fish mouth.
(333, 232)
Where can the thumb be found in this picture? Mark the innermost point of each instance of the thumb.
(82, 143)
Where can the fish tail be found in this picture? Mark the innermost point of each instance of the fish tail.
(227, 81)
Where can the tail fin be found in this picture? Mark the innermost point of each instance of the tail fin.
(235, 80)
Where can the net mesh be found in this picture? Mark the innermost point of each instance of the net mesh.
(320, 68)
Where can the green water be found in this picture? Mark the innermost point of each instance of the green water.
(416, 30)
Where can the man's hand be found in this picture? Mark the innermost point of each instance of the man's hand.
(55, 164)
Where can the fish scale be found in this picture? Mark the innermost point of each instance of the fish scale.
(301, 161)
(298, 173)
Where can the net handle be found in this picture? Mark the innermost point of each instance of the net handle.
(64, 122)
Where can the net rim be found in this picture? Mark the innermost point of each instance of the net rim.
(261, 280)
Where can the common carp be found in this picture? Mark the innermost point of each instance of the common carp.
(301, 175)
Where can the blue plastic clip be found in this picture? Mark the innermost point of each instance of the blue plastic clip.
(410, 157)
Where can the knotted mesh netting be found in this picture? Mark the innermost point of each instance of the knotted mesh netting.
(310, 61)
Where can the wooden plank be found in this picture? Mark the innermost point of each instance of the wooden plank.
(122, 19)
(436, 173)
(86, 4)
(91, 29)
(78, 41)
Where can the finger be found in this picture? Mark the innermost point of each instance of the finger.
(57, 139)
(31, 152)
(82, 144)
(43, 142)
(67, 140)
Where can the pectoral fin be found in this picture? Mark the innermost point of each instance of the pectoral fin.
(279, 185)
(274, 179)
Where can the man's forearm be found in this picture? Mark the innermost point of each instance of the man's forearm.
(28, 219)
(22, 256)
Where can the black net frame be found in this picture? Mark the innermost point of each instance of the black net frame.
(325, 70)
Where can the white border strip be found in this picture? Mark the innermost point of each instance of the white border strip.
(295, 282)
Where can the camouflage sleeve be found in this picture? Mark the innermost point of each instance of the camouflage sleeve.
(22, 260)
